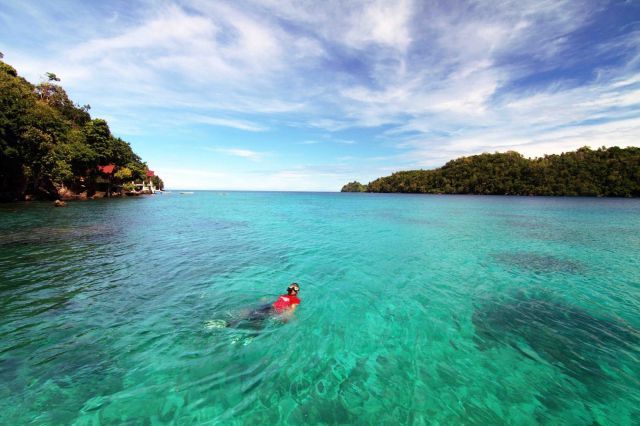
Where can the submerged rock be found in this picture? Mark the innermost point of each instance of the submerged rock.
(540, 263)
(568, 337)
(47, 235)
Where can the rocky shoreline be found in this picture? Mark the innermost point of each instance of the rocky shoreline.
(68, 194)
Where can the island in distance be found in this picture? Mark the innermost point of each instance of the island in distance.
(605, 172)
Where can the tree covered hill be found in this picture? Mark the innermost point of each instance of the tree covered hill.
(354, 186)
(608, 172)
(49, 144)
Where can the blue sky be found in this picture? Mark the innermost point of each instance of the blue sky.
(308, 95)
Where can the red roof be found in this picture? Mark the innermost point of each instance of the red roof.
(149, 173)
(108, 169)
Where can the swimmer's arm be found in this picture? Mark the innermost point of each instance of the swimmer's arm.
(286, 315)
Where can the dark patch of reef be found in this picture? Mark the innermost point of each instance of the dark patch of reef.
(546, 329)
(539, 263)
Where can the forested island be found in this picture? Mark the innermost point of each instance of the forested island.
(605, 172)
(51, 148)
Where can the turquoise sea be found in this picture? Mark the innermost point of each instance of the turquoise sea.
(416, 309)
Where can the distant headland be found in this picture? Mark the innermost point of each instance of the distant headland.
(51, 148)
(605, 172)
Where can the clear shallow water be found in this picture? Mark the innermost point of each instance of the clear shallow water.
(415, 310)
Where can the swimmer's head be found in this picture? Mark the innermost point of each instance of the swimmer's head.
(293, 288)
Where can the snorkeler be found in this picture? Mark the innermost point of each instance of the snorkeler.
(287, 303)
(282, 308)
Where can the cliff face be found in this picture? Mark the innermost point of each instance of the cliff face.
(51, 147)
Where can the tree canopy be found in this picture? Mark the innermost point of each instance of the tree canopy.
(47, 141)
(354, 186)
(608, 172)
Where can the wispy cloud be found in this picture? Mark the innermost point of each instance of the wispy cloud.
(239, 152)
(227, 122)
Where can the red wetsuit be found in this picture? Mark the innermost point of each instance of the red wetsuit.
(284, 302)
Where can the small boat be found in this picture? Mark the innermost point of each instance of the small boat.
(187, 192)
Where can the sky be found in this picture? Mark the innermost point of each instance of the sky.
(310, 95)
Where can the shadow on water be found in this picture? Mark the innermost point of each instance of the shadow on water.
(56, 234)
(539, 263)
(544, 329)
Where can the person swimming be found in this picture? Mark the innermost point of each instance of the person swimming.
(287, 303)
(282, 308)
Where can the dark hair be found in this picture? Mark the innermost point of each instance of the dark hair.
(293, 287)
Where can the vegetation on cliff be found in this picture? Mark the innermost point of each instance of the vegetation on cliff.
(609, 172)
(48, 143)
(354, 186)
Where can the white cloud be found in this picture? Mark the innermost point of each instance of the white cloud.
(239, 152)
(384, 23)
(227, 122)
(329, 124)
(172, 40)
(546, 123)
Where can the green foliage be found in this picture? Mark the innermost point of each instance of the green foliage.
(16, 99)
(46, 140)
(55, 96)
(79, 154)
(8, 69)
(52, 77)
(354, 186)
(138, 170)
(123, 173)
(98, 137)
(129, 186)
(157, 182)
(612, 172)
